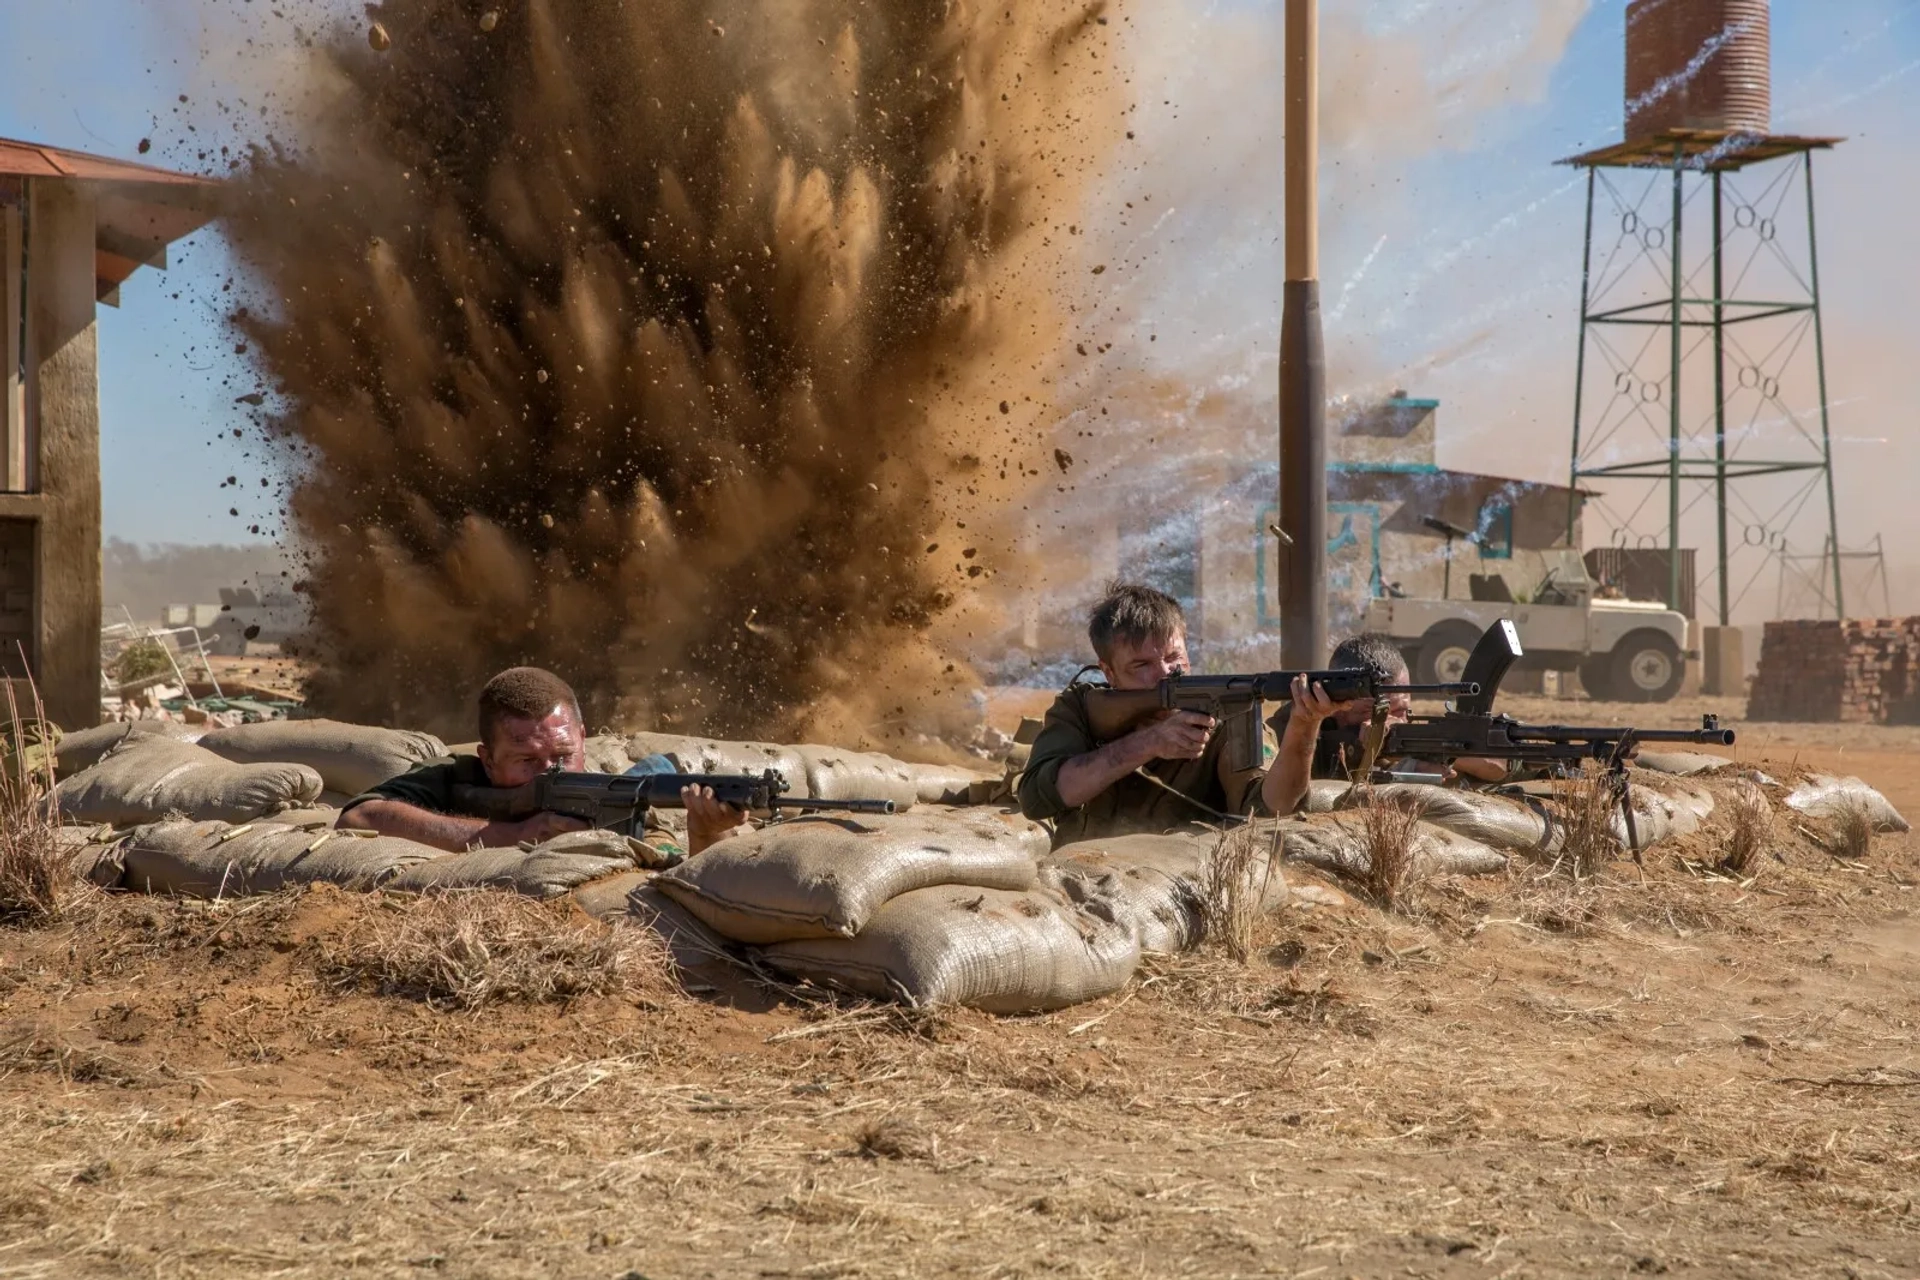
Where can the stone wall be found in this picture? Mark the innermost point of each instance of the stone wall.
(1862, 671)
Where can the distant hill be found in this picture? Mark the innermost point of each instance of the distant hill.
(147, 578)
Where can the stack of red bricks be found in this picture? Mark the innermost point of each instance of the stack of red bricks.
(1862, 671)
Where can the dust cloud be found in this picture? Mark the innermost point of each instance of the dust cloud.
(675, 346)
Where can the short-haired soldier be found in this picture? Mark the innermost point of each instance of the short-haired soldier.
(1167, 774)
(529, 722)
(1312, 744)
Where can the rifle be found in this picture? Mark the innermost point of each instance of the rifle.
(619, 802)
(1234, 701)
(1471, 728)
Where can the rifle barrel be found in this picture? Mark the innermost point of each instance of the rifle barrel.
(1458, 689)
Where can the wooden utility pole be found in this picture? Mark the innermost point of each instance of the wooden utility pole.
(1303, 365)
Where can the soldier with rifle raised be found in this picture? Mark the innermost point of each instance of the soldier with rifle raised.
(1155, 748)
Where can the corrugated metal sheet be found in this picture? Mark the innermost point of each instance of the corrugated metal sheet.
(1698, 64)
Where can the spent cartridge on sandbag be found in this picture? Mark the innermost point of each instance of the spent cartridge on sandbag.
(619, 802)
(1234, 701)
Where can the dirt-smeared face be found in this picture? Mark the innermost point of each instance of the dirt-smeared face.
(523, 749)
(1146, 664)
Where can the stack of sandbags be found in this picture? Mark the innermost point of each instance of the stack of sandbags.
(1517, 824)
(937, 908)
(80, 751)
(218, 859)
(709, 755)
(350, 758)
(825, 877)
(148, 777)
(1001, 950)
(1153, 886)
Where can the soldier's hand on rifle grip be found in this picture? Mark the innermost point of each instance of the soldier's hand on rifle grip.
(1179, 735)
(1312, 705)
(708, 820)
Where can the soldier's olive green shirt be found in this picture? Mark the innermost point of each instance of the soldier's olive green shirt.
(1194, 791)
(432, 787)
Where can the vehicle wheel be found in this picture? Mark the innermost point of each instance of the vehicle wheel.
(1646, 667)
(1444, 652)
(1596, 676)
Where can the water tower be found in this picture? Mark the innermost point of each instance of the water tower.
(1700, 405)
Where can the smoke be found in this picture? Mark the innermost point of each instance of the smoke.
(674, 346)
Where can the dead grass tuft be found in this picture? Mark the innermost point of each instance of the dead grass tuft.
(1387, 835)
(1589, 842)
(890, 1139)
(475, 948)
(1752, 831)
(1234, 884)
(38, 882)
(1850, 830)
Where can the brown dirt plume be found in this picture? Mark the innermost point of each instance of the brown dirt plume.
(670, 345)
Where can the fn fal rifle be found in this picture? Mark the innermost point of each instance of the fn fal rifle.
(619, 802)
(1234, 701)
(1470, 728)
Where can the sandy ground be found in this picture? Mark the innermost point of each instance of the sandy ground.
(1689, 1075)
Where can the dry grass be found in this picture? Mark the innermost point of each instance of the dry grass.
(37, 880)
(1235, 883)
(1387, 836)
(471, 949)
(1850, 830)
(1589, 842)
(1752, 831)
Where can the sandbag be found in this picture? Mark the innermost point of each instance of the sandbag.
(709, 755)
(992, 949)
(825, 877)
(78, 752)
(1325, 794)
(350, 758)
(949, 784)
(833, 773)
(216, 859)
(1033, 836)
(606, 754)
(1684, 764)
(1501, 822)
(607, 844)
(148, 777)
(543, 872)
(1689, 804)
(1824, 796)
(1153, 886)
(1335, 843)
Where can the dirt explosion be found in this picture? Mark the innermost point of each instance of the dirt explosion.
(673, 345)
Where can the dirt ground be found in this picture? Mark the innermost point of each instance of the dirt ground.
(1686, 1075)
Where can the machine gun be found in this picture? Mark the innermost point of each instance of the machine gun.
(619, 802)
(1470, 728)
(1235, 701)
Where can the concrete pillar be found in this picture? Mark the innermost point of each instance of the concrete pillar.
(13, 408)
(63, 404)
(1724, 662)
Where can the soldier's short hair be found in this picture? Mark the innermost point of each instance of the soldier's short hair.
(1133, 613)
(1373, 653)
(524, 693)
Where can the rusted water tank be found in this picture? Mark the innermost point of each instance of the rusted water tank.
(1698, 64)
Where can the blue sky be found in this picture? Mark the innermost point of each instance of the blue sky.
(1452, 241)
